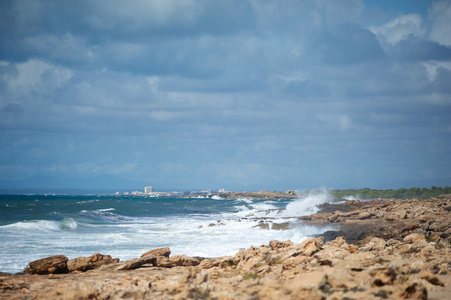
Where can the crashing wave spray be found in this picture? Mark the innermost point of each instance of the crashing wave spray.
(307, 203)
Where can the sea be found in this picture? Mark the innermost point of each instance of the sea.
(126, 226)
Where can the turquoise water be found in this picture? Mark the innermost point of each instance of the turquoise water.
(36, 226)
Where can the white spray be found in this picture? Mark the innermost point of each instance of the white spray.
(307, 203)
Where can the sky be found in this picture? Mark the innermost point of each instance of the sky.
(235, 94)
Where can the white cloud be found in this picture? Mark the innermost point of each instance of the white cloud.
(440, 14)
(37, 75)
(432, 66)
(400, 28)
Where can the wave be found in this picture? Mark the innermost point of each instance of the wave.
(307, 203)
(105, 215)
(88, 201)
(44, 225)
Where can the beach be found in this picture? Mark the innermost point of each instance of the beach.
(386, 249)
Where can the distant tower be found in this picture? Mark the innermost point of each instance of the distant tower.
(148, 190)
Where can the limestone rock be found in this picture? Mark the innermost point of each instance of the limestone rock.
(341, 279)
(137, 262)
(223, 261)
(312, 245)
(82, 264)
(365, 215)
(278, 245)
(177, 261)
(50, 265)
(414, 238)
(165, 251)
(431, 278)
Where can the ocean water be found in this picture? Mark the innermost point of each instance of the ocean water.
(37, 226)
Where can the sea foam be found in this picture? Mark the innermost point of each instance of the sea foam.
(307, 203)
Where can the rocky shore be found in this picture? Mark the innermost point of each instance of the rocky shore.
(388, 249)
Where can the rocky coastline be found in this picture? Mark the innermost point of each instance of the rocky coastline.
(385, 249)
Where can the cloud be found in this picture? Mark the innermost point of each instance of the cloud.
(440, 14)
(401, 28)
(208, 93)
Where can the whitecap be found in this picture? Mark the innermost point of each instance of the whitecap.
(105, 215)
(34, 225)
(307, 204)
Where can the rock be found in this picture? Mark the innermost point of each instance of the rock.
(414, 291)
(82, 264)
(431, 278)
(137, 262)
(177, 261)
(312, 245)
(340, 279)
(377, 243)
(414, 238)
(315, 280)
(410, 227)
(278, 245)
(280, 226)
(50, 265)
(331, 235)
(222, 262)
(165, 251)
(365, 215)
(382, 276)
(261, 225)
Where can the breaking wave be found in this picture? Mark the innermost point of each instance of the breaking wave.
(105, 215)
(43, 225)
(307, 203)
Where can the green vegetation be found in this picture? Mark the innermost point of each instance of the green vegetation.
(251, 276)
(367, 193)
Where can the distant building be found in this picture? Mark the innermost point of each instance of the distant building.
(148, 190)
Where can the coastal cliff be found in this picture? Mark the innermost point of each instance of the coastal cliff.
(387, 249)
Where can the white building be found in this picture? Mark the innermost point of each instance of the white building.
(148, 190)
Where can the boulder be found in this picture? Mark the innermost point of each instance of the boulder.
(274, 244)
(414, 238)
(365, 215)
(208, 263)
(177, 261)
(312, 245)
(431, 278)
(165, 251)
(136, 263)
(377, 243)
(50, 265)
(82, 264)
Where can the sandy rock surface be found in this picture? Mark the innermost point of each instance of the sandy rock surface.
(400, 249)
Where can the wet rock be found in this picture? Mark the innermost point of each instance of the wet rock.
(280, 226)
